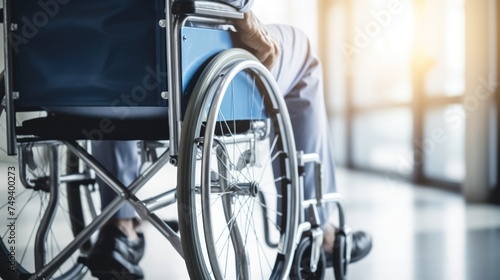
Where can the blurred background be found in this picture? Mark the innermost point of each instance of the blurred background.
(411, 87)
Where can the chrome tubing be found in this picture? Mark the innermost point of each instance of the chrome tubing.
(173, 28)
(9, 97)
(105, 215)
(173, 81)
(50, 211)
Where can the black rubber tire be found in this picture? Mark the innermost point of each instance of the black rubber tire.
(75, 206)
(75, 211)
(340, 257)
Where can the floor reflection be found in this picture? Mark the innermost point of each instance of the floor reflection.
(419, 233)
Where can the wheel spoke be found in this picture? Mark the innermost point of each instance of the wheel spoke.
(35, 200)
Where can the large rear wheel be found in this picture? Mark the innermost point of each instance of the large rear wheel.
(237, 147)
(44, 213)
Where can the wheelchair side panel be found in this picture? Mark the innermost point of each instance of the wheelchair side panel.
(199, 46)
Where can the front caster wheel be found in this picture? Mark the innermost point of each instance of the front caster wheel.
(302, 263)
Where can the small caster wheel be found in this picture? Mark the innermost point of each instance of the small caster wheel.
(340, 256)
(301, 269)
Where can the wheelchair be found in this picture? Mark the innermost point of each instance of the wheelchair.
(165, 73)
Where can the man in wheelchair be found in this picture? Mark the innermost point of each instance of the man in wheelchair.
(285, 51)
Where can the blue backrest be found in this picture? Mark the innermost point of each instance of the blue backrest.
(88, 53)
(107, 53)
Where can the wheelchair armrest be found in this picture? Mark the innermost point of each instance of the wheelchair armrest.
(206, 8)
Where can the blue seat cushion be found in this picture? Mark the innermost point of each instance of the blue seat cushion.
(64, 128)
(78, 128)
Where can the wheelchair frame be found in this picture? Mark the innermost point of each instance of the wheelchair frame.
(176, 19)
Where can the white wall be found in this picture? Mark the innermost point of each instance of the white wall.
(299, 13)
(481, 84)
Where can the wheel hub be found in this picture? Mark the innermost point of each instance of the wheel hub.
(247, 188)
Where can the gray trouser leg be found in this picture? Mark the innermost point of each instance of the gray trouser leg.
(122, 160)
(300, 77)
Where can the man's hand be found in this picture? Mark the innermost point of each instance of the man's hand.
(255, 38)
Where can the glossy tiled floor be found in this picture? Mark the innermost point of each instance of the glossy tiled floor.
(419, 234)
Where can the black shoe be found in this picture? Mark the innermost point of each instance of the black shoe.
(115, 256)
(174, 225)
(361, 245)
